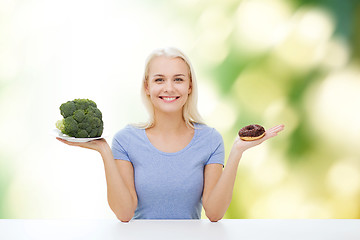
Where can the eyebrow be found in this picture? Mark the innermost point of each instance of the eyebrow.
(176, 75)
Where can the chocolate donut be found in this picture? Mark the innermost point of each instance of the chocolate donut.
(251, 132)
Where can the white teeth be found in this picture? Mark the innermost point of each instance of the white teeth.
(168, 99)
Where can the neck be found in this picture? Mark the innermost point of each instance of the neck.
(169, 122)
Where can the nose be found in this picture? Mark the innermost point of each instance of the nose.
(169, 86)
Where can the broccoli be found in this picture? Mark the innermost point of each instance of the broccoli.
(82, 119)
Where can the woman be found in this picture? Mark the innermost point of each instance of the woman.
(171, 166)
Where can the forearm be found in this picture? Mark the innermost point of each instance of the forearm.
(220, 197)
(120, 200)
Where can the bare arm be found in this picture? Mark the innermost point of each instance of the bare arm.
(218, 184)
(119, 175)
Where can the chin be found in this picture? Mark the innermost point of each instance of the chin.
(169, 110)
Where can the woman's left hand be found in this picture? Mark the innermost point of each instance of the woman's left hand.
(241, 145)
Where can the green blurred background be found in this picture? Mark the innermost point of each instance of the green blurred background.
(257, 61)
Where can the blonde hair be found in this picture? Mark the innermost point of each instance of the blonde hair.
(190, 111)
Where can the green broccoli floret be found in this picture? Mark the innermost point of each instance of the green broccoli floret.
(82, 119)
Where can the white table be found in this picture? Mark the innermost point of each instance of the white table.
(180, 229)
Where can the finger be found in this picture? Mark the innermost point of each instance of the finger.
(62, 140)
(279, 128)
(276, 129)
(68, 142)
(267, 136)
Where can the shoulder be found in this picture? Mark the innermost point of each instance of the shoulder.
(123, 132)
(209, 136)
(205, 130)
(212, 139)
(121, 143)
(126, 133)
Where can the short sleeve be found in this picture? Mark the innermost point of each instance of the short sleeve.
(120, 143)
(217, 148)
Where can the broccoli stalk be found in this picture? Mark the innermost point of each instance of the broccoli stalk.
(60, 125)
(82, 119)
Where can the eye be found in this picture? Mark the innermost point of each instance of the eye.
(178, 80)
(159, 80)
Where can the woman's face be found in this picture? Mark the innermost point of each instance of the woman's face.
(168, 84)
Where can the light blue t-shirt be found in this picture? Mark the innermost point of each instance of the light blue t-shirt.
(169, 185)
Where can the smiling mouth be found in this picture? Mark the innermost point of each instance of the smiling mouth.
(169, 99)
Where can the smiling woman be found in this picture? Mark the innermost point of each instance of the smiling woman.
(168, 87)
(179, 74)
(171, 167)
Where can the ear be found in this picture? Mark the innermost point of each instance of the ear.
(190, 88)
(146, 87)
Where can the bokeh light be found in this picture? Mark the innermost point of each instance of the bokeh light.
(257, 61)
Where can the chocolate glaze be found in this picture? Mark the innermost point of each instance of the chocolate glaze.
(253, 130)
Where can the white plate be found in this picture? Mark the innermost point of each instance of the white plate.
(57, 133)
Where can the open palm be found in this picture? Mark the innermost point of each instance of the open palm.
(96, 145)
(242, 145)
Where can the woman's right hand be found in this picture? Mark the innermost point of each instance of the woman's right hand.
(97, 145)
